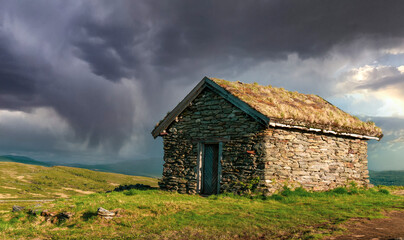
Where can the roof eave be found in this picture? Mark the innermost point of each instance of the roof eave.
(354, 135)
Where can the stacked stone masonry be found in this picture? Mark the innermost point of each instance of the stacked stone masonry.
(277, 156)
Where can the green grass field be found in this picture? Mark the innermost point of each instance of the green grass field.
(155, 214)
(23, 181)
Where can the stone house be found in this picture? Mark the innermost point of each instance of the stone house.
(224, 134)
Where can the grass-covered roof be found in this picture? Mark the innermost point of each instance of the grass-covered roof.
(293, 108)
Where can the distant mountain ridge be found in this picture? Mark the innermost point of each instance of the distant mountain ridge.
(25, 160)
(387, 178)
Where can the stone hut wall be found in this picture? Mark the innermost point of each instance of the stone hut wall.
(281, 156)
(313, 160)
(208, 117)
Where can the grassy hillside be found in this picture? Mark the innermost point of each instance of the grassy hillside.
(141, 167)
(387, 178)
(25, 181)
(146, 167)
(154, 214)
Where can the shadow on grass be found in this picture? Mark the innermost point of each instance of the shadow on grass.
(137, 186)
(71, 225)
(89, 215)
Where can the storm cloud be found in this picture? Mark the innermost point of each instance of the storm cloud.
(175, 38)
(109, 70)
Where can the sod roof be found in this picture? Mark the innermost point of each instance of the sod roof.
(298, 109)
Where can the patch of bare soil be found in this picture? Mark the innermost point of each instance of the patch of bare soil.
(398, 192)
(10, 188)
(7, 195)
(391, 227)
(36, 195)
(78, 190)
(22, 179)
(61, 195)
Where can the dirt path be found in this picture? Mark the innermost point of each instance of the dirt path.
(385, 228)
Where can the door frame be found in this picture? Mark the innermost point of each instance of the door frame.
(201, 152)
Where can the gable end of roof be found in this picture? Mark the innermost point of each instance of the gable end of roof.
(208, 83)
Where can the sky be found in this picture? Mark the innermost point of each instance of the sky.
(86, 81)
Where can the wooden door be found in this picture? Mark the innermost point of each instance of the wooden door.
(210, 169)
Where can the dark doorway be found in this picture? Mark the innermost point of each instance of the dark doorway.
(210, 169)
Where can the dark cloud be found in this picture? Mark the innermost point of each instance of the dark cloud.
(37, 69)
(99, 114)
(384, 82)
(15, 76)
(180, 36)
(105, 67)
(109, 44)
(375, 78)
